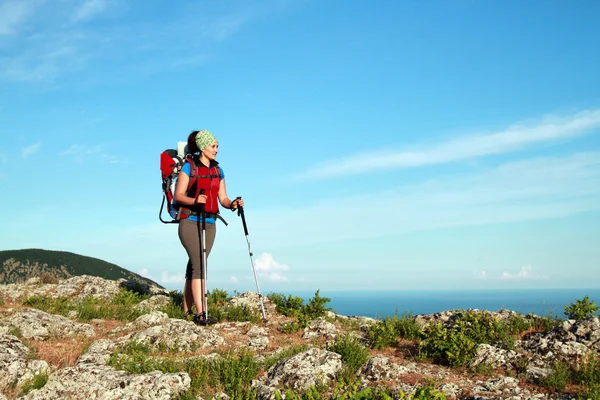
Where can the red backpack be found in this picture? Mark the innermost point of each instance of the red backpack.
(170, 165)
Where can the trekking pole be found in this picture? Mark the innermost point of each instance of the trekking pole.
(240, 210)
(204, 269)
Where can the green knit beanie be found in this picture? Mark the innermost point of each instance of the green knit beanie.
(204, 138)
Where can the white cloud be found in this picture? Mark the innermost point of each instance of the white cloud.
(480, 275)
(523, 274)
(89, 9)
(80, 151)
(166, 278)
(30, 150)
(13, 13)
(534, 189)
(145, 273)
(513, 138)
(56, 49)
(267, 267)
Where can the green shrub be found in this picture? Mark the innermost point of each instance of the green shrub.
(385, 332)
(342, 391)
(241, 314)
(448, 346)
(59, 305)
(558, 378)
(121, 307)
(426, 392)
(293, 306)
(352, 391)
(589, 372)
(217, 298)
(543, 324)
(289, 306)
(517, 324)
(591, 392)
(315, 307)
(353, 353)
(581, 309)
(456, 345)
(233, 373)
(37, 382)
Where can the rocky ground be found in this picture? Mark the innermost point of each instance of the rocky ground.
(75, 355)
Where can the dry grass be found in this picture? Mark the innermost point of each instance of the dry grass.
(60, 353)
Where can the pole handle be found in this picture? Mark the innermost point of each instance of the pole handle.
(240, 211)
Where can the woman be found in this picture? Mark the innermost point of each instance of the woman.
(200, 184)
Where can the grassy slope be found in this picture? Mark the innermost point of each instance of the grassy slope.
(76, 264)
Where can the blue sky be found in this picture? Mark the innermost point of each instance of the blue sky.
(378, 145)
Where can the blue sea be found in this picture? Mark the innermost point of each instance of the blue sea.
(542, 302)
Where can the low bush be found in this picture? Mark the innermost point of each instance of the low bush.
(38, 381)
(353, 353)
(293, 306)
(581, 309)
(558, 378)
(387, 331)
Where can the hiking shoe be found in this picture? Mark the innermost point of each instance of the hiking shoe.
(203, 320)
(189, 314)
(200, 319)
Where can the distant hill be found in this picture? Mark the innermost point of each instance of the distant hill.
(20, 265)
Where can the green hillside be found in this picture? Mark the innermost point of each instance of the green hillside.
(20, 265)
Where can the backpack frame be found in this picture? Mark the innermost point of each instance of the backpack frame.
(170, 165)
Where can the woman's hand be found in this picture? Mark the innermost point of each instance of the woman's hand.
(237, 203)
(201, 199)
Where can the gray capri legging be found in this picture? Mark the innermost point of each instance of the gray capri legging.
(189, 234)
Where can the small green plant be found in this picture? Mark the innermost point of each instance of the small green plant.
(241, 314)
(217, 298)
(58, 305)
(352, 391)
(588, 374)
(383, 333)
(520, 365)
(543, 324)
(289, 306)
(387, 331)
(233, 372)
(581, 309)
(558, 379)
(592, 392)
(121, 307)
(353, 353)
(38, 381)
(293, 306)
(455, 344)
(15, 331)
(427, 392)
(485, 369)
(343, 391)
(315, 307)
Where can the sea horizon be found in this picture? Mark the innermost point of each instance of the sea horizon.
(385, 303)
